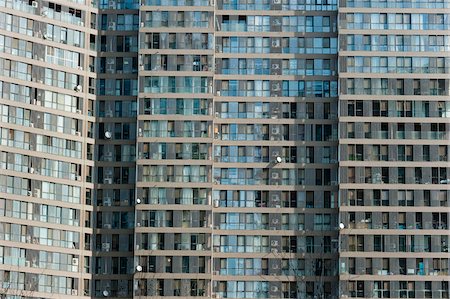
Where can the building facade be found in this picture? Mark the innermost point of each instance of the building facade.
(47, 148)
(394, 141)
(115, 148)
(224, 149)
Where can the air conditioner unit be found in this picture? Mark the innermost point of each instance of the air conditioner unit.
(140, 132)
(108, 156)
(216, 249)
(112, 26)
(216, 203)
(275, 130)
(107, 226)
(31, 170)
(27, 264)
(109, 113)
(106, 246)
(78, 177)
(46, 36)
(275, 175)
(31, 125)
(110, 69)
(218, 93)
(107, 202)
(79, 111)
(107, 181)
(215, 273)
(276, 2)
(35, 4)
(75, 261)
(274, 288)
(37, 192)
(78, 133)
(74, 292)
(274, 243)
(29, 193)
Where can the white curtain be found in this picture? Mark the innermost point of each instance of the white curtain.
(187, 196)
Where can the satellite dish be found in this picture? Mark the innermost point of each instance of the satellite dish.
(341, 225)
(108, 135)
(105, 293)
(139, 268)
(138, 200)
(278, 159)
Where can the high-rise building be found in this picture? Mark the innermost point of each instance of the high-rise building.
(47, 99)
(115, 148)
(203, 148)
(237, 149)
(68, 138)
(394, 137)
(274, 192)
(174, 163)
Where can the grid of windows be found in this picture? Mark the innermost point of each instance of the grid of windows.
(393, 150)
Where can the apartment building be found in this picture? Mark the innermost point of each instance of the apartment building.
(394, 88)
(174, 167)
(237, 145)
(115, 148)
(46, 148)
(224, 149)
